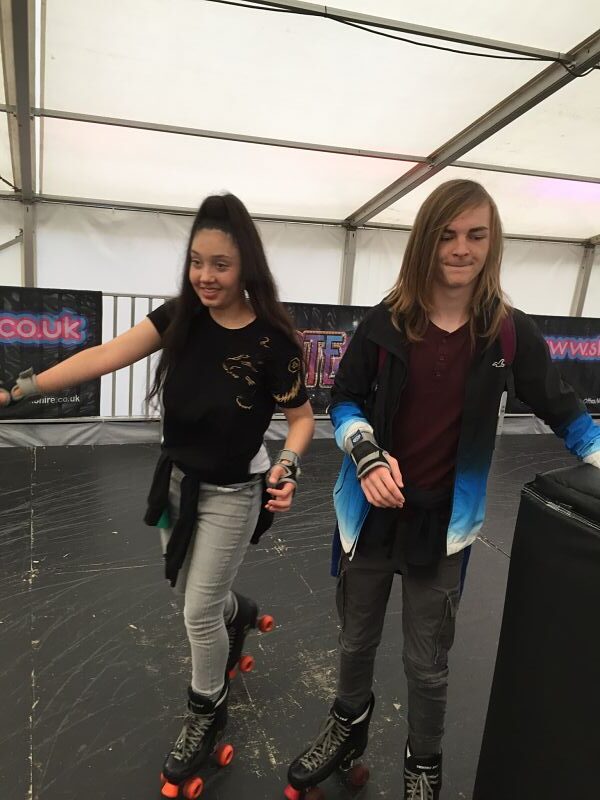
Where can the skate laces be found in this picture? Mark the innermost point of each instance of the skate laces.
(331, 737)
(417, 786)
(192, 734)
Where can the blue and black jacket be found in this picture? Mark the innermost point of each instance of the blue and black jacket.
(367, 389)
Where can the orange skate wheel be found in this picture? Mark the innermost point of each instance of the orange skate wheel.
(266, 623)
(224, 754)
(291, 794)
(246, 663)
(193, 788)
(315, 794)
(232, 673)
(169, 790)
(359, 775)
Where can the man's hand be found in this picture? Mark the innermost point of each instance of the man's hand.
(282, 494)
(5, 398)
(382, 486)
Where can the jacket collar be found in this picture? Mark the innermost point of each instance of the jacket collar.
(383, 332)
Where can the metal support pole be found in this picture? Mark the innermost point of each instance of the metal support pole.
(347, 272)
(583, 280)
(28, 260)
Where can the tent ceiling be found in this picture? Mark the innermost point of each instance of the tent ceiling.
(215, 67)
(527, 205)
(253, 72)
(110, 163)
(562, 134)
(538, 23)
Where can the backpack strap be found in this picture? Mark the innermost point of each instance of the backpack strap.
(381, 357)
(508, 339)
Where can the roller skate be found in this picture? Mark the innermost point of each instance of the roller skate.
(422, 776)
(244, 620)
(197, 748)
(341, 741)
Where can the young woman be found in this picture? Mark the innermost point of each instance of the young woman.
(230, 354)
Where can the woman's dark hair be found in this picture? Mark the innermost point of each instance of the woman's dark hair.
(228, 214)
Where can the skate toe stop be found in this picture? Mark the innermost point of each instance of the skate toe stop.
(169, 790)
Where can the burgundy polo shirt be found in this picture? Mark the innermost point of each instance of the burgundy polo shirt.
(427, 424)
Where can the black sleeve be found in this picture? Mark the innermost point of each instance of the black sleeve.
(285, 373)
(357, 370)
(538, 382)
(162, 316)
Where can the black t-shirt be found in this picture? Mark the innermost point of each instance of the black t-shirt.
(220, 394)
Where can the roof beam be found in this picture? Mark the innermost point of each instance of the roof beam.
(521, 237)
(295, 145)
(17, 239)
(581, 58)
(178, 210)
(223, 135)
(314, 9)
(190, 212)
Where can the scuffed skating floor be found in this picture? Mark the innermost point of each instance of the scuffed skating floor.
(94, 661)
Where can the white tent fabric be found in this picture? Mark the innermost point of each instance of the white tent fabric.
(299, 83)
(108, 163)
(268, 74)
(306, 79)
(559, 135)
(539, 277)
(535, 22)
(527, 205)
(126, 252)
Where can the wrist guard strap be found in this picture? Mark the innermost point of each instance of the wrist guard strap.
(366, 453)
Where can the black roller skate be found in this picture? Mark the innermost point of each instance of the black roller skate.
(342, 739)
(244, 620)
(422, 776)
(197, 746)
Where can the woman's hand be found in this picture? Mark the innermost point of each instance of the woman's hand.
(282, 496)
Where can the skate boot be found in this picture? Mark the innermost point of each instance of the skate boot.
(196, 745)
(422, 776)
(342, 739)
(244, 620)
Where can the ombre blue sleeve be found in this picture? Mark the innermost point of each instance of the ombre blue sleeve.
(343, 416)
(581, 436)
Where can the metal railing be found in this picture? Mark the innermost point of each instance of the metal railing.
(128, 308)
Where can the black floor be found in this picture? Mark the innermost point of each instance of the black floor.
(93, 656)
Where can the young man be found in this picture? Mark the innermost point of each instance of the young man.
(414, 408)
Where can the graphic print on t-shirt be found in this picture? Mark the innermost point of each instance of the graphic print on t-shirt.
(241, 368)
(293, 368)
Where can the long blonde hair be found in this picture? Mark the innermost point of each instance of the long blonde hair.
(410, 300)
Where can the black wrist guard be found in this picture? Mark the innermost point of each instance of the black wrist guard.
(367, 454)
